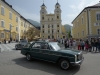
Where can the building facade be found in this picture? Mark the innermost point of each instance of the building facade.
(51, 24)
(12, 24)
(87, 23)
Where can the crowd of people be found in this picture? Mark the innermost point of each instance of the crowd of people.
(87, 45)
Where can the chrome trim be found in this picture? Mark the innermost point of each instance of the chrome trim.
(49, 53)
(78, 61)
(75, 58)
(80, 52)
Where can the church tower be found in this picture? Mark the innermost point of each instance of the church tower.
(57, 13)
(51, 27)
(43, 12)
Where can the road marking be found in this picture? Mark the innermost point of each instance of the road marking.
(7, 48)
(1, 48)
(10, 46)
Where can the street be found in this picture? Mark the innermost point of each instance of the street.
(14, 63)
(7, 47)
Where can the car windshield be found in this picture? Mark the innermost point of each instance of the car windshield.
(55, 46)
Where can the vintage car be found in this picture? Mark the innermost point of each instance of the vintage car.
(51, 52)
(20, 44)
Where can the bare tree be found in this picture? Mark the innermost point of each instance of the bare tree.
(31, 33)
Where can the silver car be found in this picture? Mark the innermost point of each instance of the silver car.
(21, 44)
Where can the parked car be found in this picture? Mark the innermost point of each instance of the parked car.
(20, 44)
(51, 52)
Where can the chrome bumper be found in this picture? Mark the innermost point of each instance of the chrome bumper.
(77, 63)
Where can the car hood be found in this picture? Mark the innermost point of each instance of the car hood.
(70, 51)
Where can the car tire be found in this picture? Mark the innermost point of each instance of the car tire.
(28, 57)
(64, 64)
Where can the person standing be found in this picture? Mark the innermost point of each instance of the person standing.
(99, 45)
(74, 44)
(82, 44)
(96, 44)
(78, 44)
(93, 44)
(65, 43)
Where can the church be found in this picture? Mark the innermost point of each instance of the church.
(51, 24)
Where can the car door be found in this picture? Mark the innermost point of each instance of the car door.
(35, 50)
(54, 54)
(46, 52)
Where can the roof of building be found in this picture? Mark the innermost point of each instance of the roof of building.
(57, 3)
(16, 11)
(98, 4)
(51, 14)
(93, 6)
(43, 4)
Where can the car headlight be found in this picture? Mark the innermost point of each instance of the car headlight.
(75, 58)
(79, 56)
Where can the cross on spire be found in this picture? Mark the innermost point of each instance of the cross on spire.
(43, 1)
(57, 1)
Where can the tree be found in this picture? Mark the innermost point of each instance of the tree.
(31, 33)
(69, 34)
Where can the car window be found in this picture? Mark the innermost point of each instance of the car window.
(36, 45)
(45, 46)
(55, 46)
(27, 45)
(51, 48)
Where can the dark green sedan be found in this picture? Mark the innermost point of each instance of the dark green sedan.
(51, 52)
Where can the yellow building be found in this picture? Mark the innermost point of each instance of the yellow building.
(12, 24)
(51, 26)
(87, 23)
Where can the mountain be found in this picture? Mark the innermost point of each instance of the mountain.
(35, 23)
(67, 27)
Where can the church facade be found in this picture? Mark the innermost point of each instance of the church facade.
(51, 27)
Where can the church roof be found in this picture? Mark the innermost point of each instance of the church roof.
(43, 4)
(57, 3)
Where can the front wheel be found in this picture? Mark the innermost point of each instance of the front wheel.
(28, 57)
(64, 64)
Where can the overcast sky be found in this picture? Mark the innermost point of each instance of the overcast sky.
(30, 9)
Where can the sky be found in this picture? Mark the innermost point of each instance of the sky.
(30, 9)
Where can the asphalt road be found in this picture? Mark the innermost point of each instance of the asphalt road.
(13, 63)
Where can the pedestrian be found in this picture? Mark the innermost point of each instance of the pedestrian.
(74, 44)
(82, 45)
(5, 41)
(78, 44)
(93, 44)
(96, 44)
(65, 43)
(90, 47)
(86, 46)
(99, 45)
